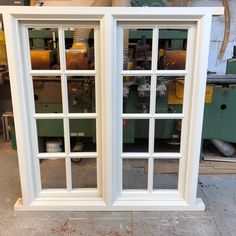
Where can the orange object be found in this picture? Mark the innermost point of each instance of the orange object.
(76, 59)
(174, 60)
(41, 59)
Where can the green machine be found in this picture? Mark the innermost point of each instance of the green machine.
(220, 110)
(81, 91)
(231, 64)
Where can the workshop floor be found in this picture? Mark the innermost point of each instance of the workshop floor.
(218, 193)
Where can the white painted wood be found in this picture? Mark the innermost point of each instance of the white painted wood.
(191, 45)
(50, 155)
(47, 115)
(83, 155)
(169, 116)
(119, 54)
(152, 108)
(152, 116)
(97, 55)
(197, 106)
(28, 82)
(108, 96)
(167, 155)
(82, 115)
(135, 155)
(80, 72)
(109, 75)
(20, 109)
(171, 72)
(121, 13)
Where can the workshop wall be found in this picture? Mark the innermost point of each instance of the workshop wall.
(217, 33)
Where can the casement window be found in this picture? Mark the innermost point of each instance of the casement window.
(102, 117)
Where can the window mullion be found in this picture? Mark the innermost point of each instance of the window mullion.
(29, 86)
(65, 108)
(152, 108)
(97, 72)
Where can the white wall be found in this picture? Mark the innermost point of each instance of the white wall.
(217, 33)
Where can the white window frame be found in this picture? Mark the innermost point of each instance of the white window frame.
(108, 104)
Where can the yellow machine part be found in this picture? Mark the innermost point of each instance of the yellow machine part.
(41, 59)
(76, 59)
(3, 53)
(176, 93)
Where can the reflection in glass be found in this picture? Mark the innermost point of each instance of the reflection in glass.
(84, 173)
(137, 49)
(79, 45)
(172, 49)
(167, 135)
(81, 94)
(169, 94)
(136, 94)
(50, 135)
(44, 48)
(53, 173)
(83, 135)
(47, 94)
(165, 174)
(135, 173)
(135, 135)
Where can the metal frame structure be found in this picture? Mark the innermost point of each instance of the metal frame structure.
(108, 24)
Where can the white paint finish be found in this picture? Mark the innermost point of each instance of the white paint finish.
(197, 106)
(118, 206)
(20, 110)
(120, 13)
(108, 109)
(111, 90)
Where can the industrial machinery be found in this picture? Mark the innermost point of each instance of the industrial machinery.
(219, 108)
(81, 90)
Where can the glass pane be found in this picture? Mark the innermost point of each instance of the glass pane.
(47, 94)
(136, 94)
(81, 94)
(137, 49)
(44, 48)
(84, 173)
(79, 45)
(165, 174)
(135, 135)
(50, 135)
(53, 173)
(135, 173)
(167, 135)
(170, 94)
(172, 49)
(83, 135)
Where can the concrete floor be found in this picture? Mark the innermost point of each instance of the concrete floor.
(218, 193)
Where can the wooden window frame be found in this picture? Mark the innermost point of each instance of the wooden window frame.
(109, 19)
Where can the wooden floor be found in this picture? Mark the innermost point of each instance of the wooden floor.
(217, 167)
(213, 162)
